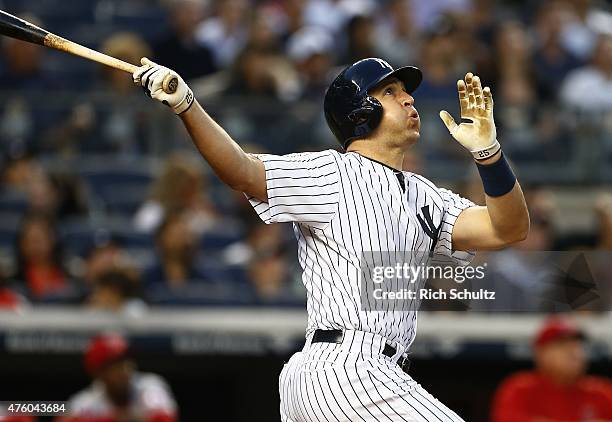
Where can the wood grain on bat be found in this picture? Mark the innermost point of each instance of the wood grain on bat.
(14, 27)
(59, 43)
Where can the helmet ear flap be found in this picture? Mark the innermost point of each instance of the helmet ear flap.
(367, 116)
(367, 109)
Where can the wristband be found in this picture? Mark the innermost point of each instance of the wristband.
(488, 152)
(185, 104)
(497, 178)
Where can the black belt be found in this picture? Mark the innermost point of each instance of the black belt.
(336, 336)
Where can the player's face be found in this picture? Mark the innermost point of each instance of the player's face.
(564, 359)
(400, 119)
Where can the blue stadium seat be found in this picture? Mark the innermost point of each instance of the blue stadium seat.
(123, 200)
(8, 236)
(222, 235)
(80, 237)
(13, 202)
(220, 293)
(131, 238)
(106, 178)
(9, 225)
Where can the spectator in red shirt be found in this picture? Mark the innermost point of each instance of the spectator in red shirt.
(39, 262)
(558, 389)
(119, 393)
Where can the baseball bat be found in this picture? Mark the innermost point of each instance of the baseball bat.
(14, 27)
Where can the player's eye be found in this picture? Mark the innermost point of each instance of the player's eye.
(389, 91)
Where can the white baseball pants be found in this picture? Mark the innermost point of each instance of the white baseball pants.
(353, 381)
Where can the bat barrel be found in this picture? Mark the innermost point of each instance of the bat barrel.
(14, 27)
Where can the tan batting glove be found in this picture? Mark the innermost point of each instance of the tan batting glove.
(150, 76)
(479, 136)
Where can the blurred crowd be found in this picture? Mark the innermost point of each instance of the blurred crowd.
(104, 202)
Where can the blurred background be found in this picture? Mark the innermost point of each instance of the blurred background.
(110, 220)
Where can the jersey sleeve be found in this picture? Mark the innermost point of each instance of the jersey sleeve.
(302, 188)
(453, 205)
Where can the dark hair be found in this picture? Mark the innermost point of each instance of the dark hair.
(125, 282)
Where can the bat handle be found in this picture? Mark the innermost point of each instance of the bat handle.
(170, 84)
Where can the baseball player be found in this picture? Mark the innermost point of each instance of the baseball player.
(353, 366)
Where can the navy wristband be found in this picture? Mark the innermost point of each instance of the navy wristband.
(497, 178)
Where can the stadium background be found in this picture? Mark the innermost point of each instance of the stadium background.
(140, 237)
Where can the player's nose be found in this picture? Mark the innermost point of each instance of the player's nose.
(407, 100)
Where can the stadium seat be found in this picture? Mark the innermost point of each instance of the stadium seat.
(120, 183)
(222, 235)
(81, 236)
(219, 293)
(123, 200)
(13, 201)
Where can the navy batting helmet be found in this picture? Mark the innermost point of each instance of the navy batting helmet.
(350, 111)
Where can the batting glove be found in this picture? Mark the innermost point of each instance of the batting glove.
(150, 76)
(479, 136)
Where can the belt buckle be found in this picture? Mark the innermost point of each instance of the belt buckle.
(404, 363)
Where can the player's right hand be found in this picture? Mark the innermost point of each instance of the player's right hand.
(150, 76)
(479, 135)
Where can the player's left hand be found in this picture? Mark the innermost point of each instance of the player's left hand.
(479, 136)
(150, 76)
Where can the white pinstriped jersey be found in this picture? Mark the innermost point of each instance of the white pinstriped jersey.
(342, 205)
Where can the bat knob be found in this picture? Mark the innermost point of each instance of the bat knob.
(170, 84)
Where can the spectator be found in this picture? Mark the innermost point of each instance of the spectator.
(113, 122)
(589, 88)
(311, 51)
(119, 393)
(439, 63)
(226, 33)
(558, 389)
(396, 37)
(427, 14)
(263, 74)
(39, 257)
(288, 16)
(176, 247)
(262, 34)
(361, 42)
(269, 277)
(514, 85)
(22, 66)
(23, 418)
(58, 195)
(521, 276)
(179, 187)
(268, 270)
(327, 14)
(551, 61)
(603, 208)
(117, 291)
(22, 74)
(579, 33)
(10, 299)
(259, 237)
(440, 66)
(333, 15)
(179, 48)
(103, 258)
